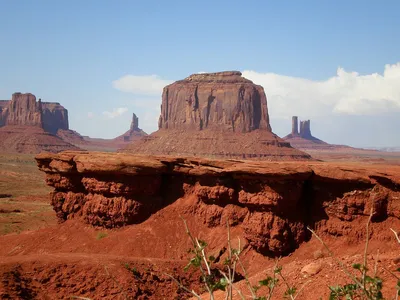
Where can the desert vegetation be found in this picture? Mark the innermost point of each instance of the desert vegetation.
(364, 281)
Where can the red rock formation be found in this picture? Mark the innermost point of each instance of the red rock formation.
(134, 132)
(24, 110)
(29, 126)
(55, 117)
(215, 115)
(295, 125)
(271, 203)
(304, 140)
(3, 114)
(305, 131)
(219, 101)
(98, 144)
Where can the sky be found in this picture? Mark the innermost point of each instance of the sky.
(336, 63)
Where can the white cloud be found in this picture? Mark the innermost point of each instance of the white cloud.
(115, 113)
(142, 85)
(345, 93)
(90, 115)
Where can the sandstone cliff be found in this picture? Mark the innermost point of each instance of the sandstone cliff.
(215, 115)
(24, 110)
(219, 101)
(270, 203)
(29, 126)
(55, 117)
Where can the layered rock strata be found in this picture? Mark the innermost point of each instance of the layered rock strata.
(29, 126)
(272, 203)
(215, 115)
(24, 110)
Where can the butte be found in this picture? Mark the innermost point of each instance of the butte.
(215, 115)
(30, 126)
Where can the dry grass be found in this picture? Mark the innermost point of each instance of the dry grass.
(28, 207)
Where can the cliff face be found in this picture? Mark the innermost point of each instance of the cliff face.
(29, 126)
(218, 115)
(24, 110)
(270, 203)
(3, 112)
(54, 117)
(305, 130)
(220, 101)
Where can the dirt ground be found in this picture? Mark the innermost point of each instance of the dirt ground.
(24, 202)
(40, 259)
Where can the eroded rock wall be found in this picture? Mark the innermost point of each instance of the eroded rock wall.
(25, 110)
(54, 116)
(220, 101)
(271, 202)
(216, 115)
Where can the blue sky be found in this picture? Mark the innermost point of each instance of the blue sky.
(317, 59)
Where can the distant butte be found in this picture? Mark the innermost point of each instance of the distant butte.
(219, 115)
(134, 132)
(29, 126)
(304, 139)
(98, 144)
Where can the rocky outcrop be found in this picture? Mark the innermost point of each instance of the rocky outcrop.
(271, 203)
(222, 115)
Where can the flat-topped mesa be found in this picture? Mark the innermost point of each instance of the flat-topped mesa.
(24, 110)
(29, 126)
(221, 77)
(220, 101)
(55, 117)
(215, 115)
